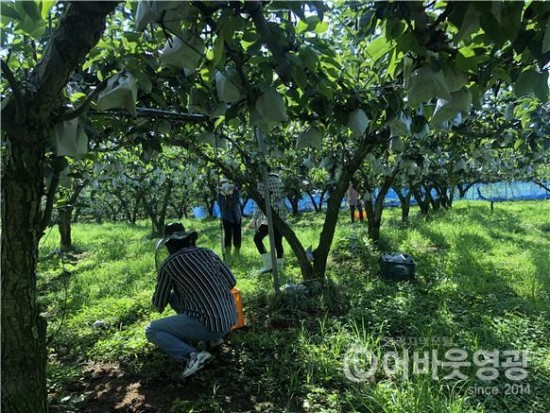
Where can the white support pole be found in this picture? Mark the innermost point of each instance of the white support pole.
(261, 148)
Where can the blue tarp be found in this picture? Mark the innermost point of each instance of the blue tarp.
(496, 191)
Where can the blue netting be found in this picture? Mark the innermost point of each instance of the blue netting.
(495, 192)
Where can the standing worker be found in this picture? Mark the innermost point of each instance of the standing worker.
(259, 222)
(197, 285)
(354, 201)
(229, 201)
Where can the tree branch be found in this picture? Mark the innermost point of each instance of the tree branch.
(17, 93)
(541, 184)
(145, 112)
(255, 10)
(86, 104)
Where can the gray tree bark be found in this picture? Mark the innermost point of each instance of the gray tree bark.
(26, 120)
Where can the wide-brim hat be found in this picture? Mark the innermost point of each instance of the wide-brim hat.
(176, 230)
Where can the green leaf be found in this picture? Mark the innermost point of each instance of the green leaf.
(32, 10)
(77, 96)
(466, 60)
(143, 82)
(440, 85)
(496, 11)
(326, 90)
(509, 111)
(299, 76)
(420, 86)
(46, 7)
(454, 77)
(525, 83)
(541, 86)
(218, 50)
(301, 27)
(308, 57)
(394, 62)
(407, 70)
(378, 48)
(229, 24)
(396, 144)
(424, 84)
(491, 26)
(470, 23)
(311, 137)
(10, 11)
(321, 27)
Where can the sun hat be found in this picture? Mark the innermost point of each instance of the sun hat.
(176, 230)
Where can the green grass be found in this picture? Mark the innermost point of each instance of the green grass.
(483, 282)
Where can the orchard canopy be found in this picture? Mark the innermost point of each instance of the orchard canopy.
(126, 110)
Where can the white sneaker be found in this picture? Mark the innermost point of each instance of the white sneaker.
(195, 363)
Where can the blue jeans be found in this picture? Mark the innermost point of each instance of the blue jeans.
(172, 334)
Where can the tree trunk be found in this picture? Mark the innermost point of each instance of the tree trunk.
(294, 204)
(333, 207)
(98, 217)
(375, 208)
(65, 228)
(50, 200)
(164, 206)
(313, 202)
(423, 202)
(374, 224)
(155, 225)
(65, 218)
(23, 330)
(443, 199)
(462, 189)
(77, 213)
(26, 120)
(322, 200)
(405, 203)
(135, 210)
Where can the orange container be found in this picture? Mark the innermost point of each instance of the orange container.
(357, 216)
(240, 312)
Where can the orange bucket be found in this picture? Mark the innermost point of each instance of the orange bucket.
(239, 305)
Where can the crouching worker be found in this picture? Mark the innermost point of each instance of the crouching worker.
(197, 285)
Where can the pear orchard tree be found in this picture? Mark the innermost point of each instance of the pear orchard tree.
(351, 67)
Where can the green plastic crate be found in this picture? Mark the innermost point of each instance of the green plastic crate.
(397, 266)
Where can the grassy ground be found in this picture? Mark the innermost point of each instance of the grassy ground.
(483, 282)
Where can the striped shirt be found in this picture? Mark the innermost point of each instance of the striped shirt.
(202, 283)
(277, 195)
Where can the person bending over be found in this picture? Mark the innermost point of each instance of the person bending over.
(197, 285)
